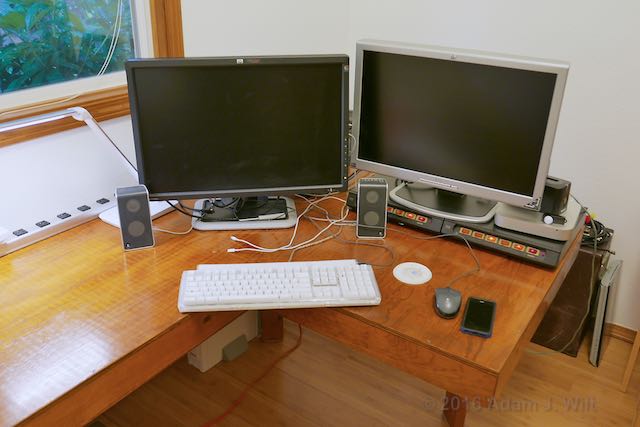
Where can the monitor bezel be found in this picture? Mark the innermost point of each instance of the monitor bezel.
(529, 201)
(342, 60)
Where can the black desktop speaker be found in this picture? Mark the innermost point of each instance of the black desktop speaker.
(372, 208)
(135, 218)
(556, 196)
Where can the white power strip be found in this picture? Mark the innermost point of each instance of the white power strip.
(44, 193)
(50, 225)
(4, 235)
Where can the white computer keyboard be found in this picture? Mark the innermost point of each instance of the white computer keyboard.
(223, 287)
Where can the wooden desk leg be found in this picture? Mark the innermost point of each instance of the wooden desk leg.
(455, 410)
(272, 326)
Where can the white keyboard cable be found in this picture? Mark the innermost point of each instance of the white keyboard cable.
(290, 246)
(313, 221)
(162, 230)
(327, 216)
(257, 248)
(357, 242)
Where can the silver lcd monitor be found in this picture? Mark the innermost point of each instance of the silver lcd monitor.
(460, 129)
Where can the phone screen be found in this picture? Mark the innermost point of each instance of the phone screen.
(478, 317)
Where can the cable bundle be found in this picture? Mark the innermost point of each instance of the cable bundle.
(595, 233)
(309, 242)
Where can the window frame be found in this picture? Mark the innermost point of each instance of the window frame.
(112, 102)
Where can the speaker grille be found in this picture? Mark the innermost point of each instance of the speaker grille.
(135, 217)
(372, 208)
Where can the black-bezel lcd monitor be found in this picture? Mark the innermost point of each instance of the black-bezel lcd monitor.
(240, 126)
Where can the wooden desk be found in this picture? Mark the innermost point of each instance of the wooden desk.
(83, 324)
(405, 332)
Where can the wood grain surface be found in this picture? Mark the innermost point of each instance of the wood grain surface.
(76, 304)
(324, 383)
(435, 367)
(405, 332)
(522, 293)
(633, 357)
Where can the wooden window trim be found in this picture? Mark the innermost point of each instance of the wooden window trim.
(166, 26)
(104, 104)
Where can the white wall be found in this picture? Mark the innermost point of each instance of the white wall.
(596, 145)
(259, 27)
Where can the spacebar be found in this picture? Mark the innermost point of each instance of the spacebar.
(247, 299)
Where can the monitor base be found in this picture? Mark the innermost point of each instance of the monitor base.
(268, 213)
(444, 204)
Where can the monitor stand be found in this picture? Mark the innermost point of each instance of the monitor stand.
(443, 203)
(253, 213)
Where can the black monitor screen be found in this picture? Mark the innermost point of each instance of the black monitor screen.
(238, 128)
(474, 123)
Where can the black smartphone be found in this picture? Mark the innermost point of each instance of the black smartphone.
(479, 315)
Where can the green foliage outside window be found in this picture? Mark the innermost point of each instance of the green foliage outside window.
(50, 41)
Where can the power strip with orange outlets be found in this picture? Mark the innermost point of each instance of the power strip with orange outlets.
(534, 249)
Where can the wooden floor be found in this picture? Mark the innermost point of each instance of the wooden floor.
(325, 384)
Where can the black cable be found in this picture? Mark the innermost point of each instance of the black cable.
(595, 234)
(181, 211)
(399, 181)
(257, 204)
(353, 175)
(188, 208)
(225, 205)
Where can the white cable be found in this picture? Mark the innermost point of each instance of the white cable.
(309, 206)
(327, 216)
(352, 148)
(290, 246)
(327, 197)
(114, 39)
(256, 248)
(344, 223)
(162, 230)
(115, 36)
(313, 244)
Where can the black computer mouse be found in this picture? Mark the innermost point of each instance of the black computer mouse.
(447, 302)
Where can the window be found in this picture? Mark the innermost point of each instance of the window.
(45, 42)
(157, 26)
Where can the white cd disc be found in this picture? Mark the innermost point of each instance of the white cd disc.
(412, 273)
